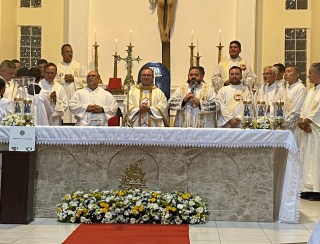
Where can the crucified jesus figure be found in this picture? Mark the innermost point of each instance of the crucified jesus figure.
(166, 10)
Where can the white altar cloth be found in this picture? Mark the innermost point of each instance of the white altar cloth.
(186, 137)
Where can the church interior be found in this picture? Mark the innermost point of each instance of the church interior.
(116, 39)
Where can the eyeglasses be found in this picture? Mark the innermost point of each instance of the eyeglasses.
(146, 75)
(50, 73)
(91, 76)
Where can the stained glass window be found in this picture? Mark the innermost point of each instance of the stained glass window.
(30, 3)
(30, 45)
(296, 4)
(296, 49)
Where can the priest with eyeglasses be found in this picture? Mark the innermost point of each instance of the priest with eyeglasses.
(92, 105)
(147, 105)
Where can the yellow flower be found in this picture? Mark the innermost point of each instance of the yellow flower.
(154, 194)
(104, 205)
(198, 215)
(59, 210)
(74, 196)
(153, 199)
(173, 209)
(105, 210)
(186, 196)
(134, 211)
(79, 212)
(141, 208)
(67, 197)
(168, 208)
(84, 210)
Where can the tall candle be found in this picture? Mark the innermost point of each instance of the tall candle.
(116, 40)
(130, 31)
(220, 35)
(192, 37)
(95, 35)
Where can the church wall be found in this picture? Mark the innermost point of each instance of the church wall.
(8, 29)
(114, 20)
(315, 32)
(275, 18)
(50, 17)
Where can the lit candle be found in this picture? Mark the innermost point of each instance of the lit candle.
(116, 44)
(130, 31)
(192, 37)
(95, 35)
(220, 35)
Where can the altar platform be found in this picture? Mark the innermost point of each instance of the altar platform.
(243, 175)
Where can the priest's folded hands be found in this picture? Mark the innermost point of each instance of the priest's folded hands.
(95, 109)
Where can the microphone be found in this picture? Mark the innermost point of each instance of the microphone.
(193, 83)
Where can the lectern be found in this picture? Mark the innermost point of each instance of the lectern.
(17, 187)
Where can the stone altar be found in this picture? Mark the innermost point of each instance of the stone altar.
(238, 184)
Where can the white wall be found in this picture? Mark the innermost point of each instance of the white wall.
(114, 19)
(8, 29)
(273, 19)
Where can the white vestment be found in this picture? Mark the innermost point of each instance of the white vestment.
(56, 110)
(11, 90)
(79, 73)
(82, 98)
(229, 98)
(271, 92)
(310, 142)
(157, 101)
(221, 71)
(296, 94)
(189, 116)
(5, 108)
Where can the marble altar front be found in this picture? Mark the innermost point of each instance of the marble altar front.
(243, 175)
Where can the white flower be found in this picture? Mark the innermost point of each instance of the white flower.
(84, 220)
(65, 205)
(132, 220)
(199, 210)
(197, 199)
(145, 218)
(138, 203)
(191, 203)
(180, 206)
(108, 215)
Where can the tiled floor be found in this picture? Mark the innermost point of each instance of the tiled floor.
(49, 231)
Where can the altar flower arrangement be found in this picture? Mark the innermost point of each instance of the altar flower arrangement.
(262, 123)
(13, 120)
(132, 206)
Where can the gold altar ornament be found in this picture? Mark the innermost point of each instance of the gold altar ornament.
(133, 177)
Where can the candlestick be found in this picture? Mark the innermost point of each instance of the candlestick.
(130, 31)
(95, 35)
(220, 35)
(192, 37)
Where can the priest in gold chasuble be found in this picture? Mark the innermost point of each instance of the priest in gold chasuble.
(147, 104)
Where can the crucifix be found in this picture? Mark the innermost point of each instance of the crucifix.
(166, 10)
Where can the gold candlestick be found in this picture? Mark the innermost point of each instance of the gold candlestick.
(129, 79)
(116, 58)
(198, 59)
(96, 56)
(219, 52)
(191, 54)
